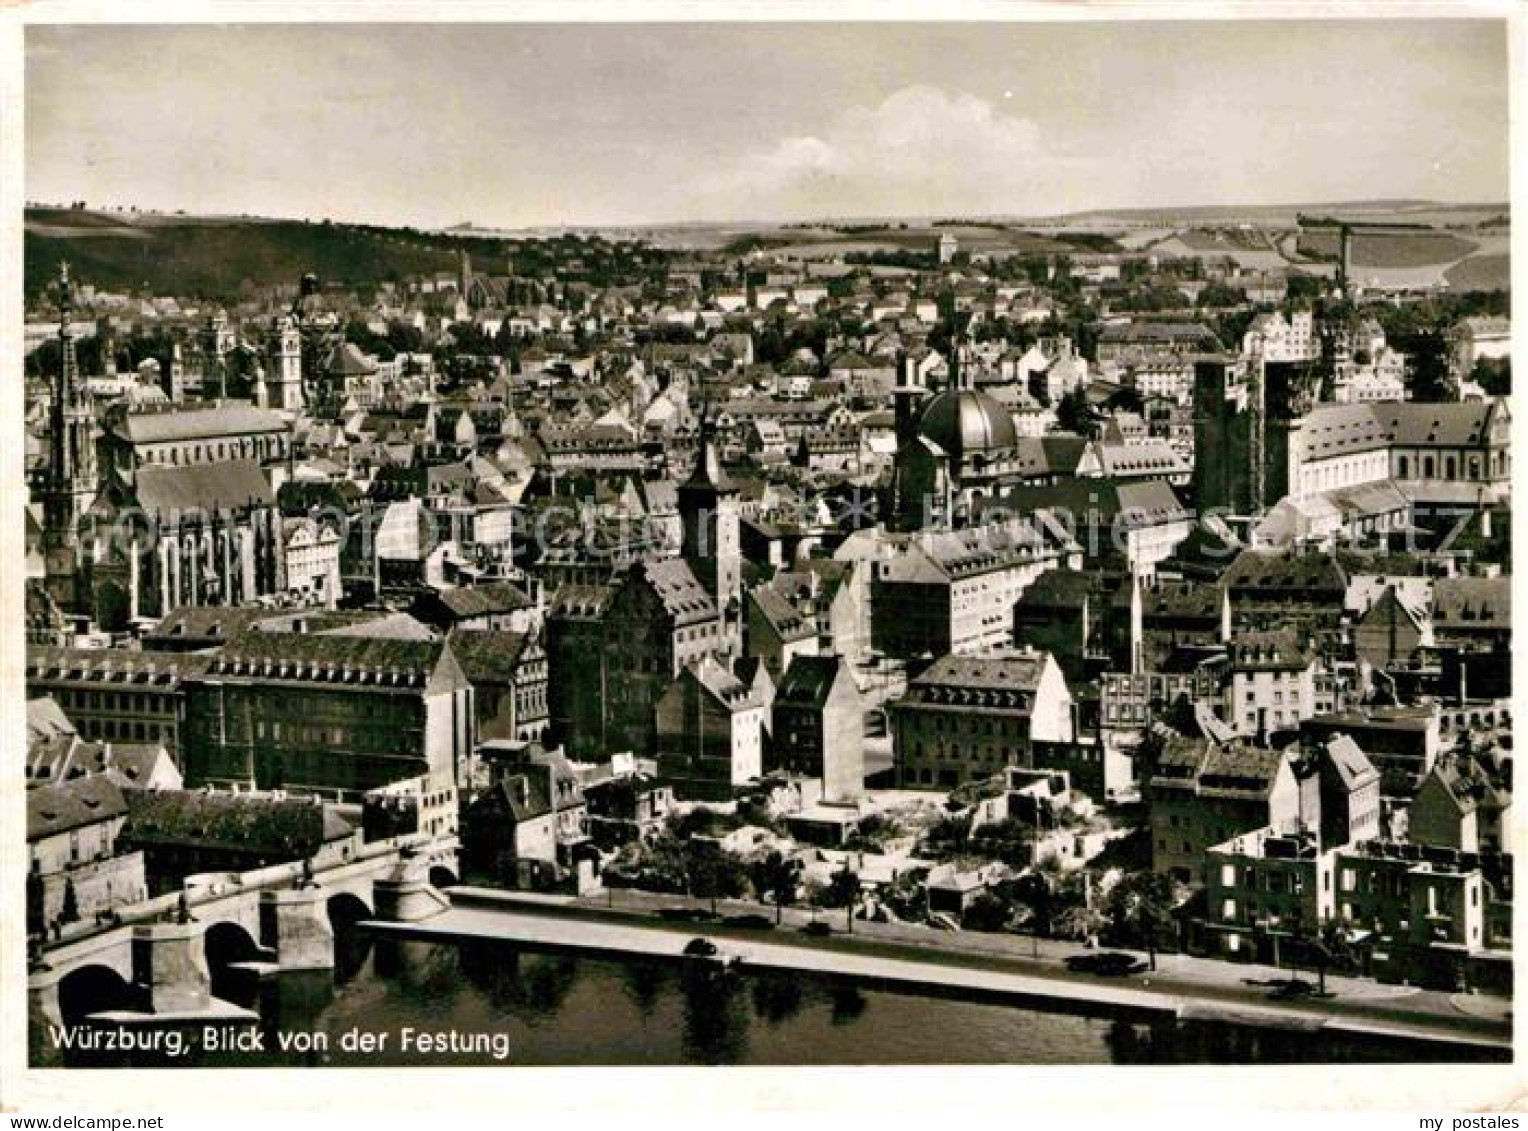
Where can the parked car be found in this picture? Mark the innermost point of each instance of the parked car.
(710, 956)
(686, 914)
(1293, 988)
(750, 922)
(1109, 964)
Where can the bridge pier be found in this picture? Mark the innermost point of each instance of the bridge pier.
(295, 924)
(406, 894)
(170, 967)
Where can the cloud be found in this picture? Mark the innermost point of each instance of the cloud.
(923, 150)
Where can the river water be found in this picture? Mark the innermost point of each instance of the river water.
(503, 1005)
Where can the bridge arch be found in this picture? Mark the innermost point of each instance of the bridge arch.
(228, 941)
(443, 877)
(346, 909)
(93, 989)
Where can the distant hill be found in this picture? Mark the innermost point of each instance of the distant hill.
(217, 257)
(1413, 211)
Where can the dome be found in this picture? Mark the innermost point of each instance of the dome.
(964, 422)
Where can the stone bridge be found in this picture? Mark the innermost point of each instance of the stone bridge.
(150, 962)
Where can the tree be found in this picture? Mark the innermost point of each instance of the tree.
(948, 836)
(1494, 375)
(778, 875)
(1078, 921)
(1141, 909)
(1429, 367)
(710, 873)
(989, 911)
(1072, 413)
(843, 890)
(1127, 398)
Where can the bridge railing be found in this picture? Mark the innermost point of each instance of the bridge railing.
(272, 876)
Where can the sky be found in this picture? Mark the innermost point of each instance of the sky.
(508, 125)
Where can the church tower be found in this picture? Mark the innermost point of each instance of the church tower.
(72, 478)
(711, 539)
(216, 344)
(175, 375)
(283, 380)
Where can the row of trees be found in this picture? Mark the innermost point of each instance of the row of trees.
(702, 870)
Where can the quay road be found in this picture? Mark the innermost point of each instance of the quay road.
(965, 964)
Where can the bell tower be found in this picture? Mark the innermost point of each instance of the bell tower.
(284, 377)
(712, 541)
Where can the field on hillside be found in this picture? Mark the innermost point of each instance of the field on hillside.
(1481, 273)
(821, 241)
(215, 257)
(1392, 249)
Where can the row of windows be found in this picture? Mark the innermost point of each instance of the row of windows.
(975, 753)
(937, 722)
(137, 702)
(268, 447)
(127, 730)
(1427, 466)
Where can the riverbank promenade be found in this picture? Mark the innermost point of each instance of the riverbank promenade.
(1019, 970)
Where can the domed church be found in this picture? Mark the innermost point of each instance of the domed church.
(961, 447)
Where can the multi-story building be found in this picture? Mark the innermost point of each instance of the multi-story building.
(1277, 338)
(1465, 804)
(1402, 742)
(967, 718)
(710, 734)
(194, 435)
(329, 715)
(1264, 889)
(1272, 683)
(1201, 794)
(1427, 915)
(508, 673)
(954, 591)
(118, 695)
(173, 535)
(75, 867)
(818, 727)
(1346, 445)
(530, 827)
(613, 651)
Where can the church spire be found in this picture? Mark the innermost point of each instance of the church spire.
(708, 474)
(71, 478)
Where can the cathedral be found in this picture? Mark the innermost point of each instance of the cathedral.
(183, 513)
(960, 448)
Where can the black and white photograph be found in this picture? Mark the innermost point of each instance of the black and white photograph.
(610, 542)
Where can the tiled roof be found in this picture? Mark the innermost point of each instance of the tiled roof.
(223, 418)
(969, 680)
(1350, 762)
(782, 616)
(283, 828)
(810, 679)
(221, 486)
(488, 656)
(113, 666)
(54, 809)
(307, 657)
(1279, 650)
(1472, 603)
(481, 600)
(677, 588)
